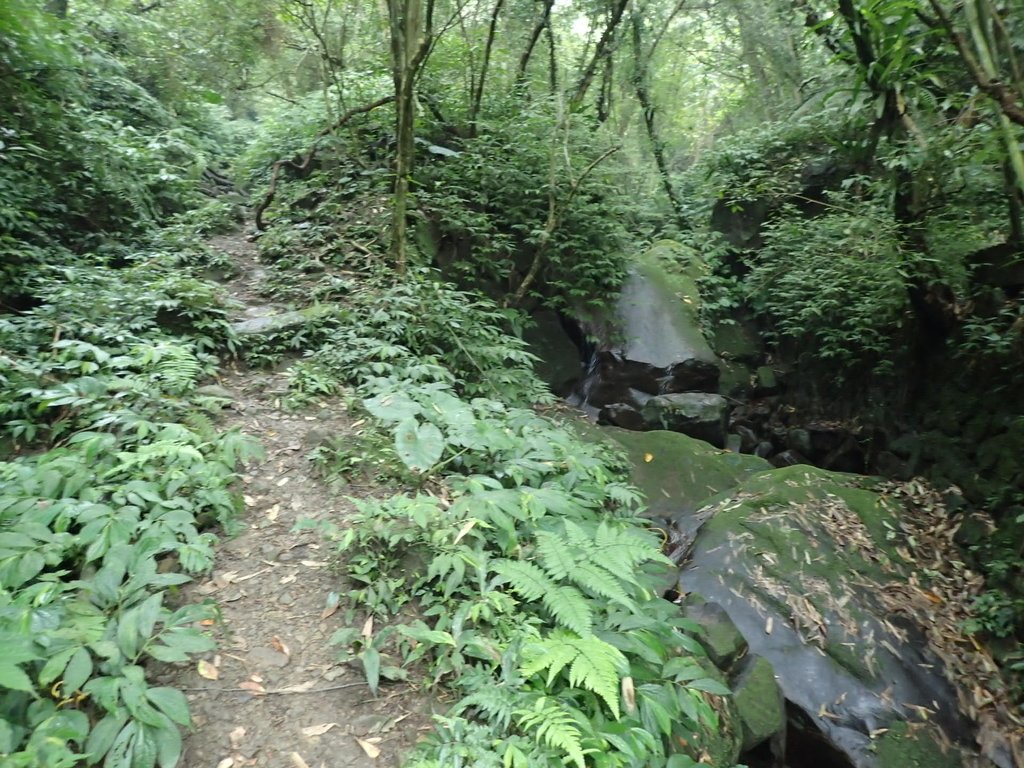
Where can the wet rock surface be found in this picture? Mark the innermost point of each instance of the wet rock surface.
(814, 576)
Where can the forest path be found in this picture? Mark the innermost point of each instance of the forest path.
(274, 694)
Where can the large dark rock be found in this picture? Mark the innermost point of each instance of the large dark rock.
(805, 567)
(650, 341)
(697, 414)
(621, 415)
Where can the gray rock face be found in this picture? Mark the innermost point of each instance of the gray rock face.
(698, 414)
(796, 564)
(650, 341)
(268, 324)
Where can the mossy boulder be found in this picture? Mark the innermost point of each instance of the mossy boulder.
(716, 633)
(803, 560)
(679, 473)
(760, 705)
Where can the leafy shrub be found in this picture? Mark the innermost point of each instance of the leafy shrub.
(530, 574)
(425, 325)
(834, 284)
(84, 151)
(124, 476)
(494, 197)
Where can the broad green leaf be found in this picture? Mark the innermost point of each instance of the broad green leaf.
(79, 670)
(710, 686)
(419, 446)
(371, 666)
(102, 736)
(168, 745)
(393, 407)
(14, 678)
(172, 703)
(55, 665)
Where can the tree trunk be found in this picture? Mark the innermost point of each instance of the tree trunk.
(478, 93)
(641, 84)
(411, 26)
(531, 43)
(605, 47)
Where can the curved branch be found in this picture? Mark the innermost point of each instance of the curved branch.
(307, 161)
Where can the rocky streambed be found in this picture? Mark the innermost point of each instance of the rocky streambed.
(830, 603)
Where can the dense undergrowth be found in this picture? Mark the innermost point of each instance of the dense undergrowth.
(112, 471)
(514, 569)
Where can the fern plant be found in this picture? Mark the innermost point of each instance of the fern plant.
(523, 555)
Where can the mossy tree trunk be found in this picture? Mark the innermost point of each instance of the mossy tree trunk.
(411, 26)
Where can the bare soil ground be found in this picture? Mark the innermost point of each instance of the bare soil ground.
(274, 694)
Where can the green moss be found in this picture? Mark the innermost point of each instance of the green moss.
(677, 472)
(667, 267)
(759, 704)
(913, 746)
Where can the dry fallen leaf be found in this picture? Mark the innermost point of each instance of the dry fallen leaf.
(252, 687)
(371, 750)
(227, 762)
(768, 626)
(283, 481)
(273, 512)
(288, 579)
(298, 762)
(314, 563)
(280, 646)
(300, 688)
(367, 628)
(236, 737)
(648, 458)
(207, 670)
(317, 730)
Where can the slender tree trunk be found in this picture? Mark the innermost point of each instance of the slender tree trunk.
(641, 84)
(531, 43)
(411, 26)
(605, 47)
(604, 100)
(1015, 205)
(552, 62)
(478, 93)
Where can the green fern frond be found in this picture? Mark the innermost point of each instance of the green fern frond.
(570, 609)
(593, 664)
(201, 424)
(527, 579)
(597, 668)
(549, 723)
(552, 656)
(496, 702)
(555, 554)
(176, 367)
(593, 578)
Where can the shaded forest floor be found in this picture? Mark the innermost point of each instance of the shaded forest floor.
(274, 694)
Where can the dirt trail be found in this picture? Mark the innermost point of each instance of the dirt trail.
(274, 696)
